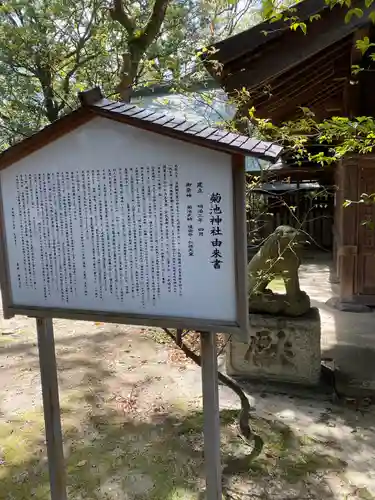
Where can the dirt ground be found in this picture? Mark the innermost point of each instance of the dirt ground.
(132, 419)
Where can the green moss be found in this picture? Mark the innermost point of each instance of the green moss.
(284, 455)
(364, 494)
(4, 340)
(109, 456)
(193, 423)
(101, 450)
(277, 285)
(158, 335)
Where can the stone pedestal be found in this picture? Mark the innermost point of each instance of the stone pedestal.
(280, 349)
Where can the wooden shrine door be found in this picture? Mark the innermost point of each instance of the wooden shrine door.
(355, 230)
(365, 286)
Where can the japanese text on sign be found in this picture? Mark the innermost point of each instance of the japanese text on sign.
(216, 230)
(93, 231)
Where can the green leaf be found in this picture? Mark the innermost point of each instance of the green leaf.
(276, 17)
(364, 44)
(301, 26)
(268, 9)
(315, 17)
(368, 223)
(356, 69)
(368, 3)
(353, 12)
(372, 17)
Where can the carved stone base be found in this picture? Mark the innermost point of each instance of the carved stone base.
(280, 349)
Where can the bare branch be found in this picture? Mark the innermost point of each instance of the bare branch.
(68, 76)
(235, 20)
(77, 53)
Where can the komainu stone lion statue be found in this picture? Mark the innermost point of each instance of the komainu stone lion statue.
(279, 257)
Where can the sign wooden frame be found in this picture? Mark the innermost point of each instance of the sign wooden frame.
(238, 327)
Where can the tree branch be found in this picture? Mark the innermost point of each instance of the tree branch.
(118, 14)
(79, 61)
(7, 120)
(68, 76)
(154, 23)
(235, 20)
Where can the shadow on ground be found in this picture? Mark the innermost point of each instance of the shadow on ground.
(347, 337)
(116, 450)
(110, 457)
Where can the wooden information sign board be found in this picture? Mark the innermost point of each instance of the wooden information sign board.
(118, 224)
(119, 214)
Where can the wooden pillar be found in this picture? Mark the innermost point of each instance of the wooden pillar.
(337, 216)
(366, 233)
(366, 99)
(348, 229)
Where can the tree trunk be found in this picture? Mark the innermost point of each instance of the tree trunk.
(128, 75)
(138, 43)
(51, 107)
(241, 120)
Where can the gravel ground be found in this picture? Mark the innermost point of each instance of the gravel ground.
(132, 422)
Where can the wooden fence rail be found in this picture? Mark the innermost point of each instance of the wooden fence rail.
(311, 210)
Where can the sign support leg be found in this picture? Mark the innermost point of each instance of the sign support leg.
(211, 416)
(51, 406)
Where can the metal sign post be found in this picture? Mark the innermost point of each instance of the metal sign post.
(51, 405)
(211, 416)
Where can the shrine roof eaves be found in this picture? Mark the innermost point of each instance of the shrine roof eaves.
(194, 132)
(267, 50)
(253, 38)
(164, 123)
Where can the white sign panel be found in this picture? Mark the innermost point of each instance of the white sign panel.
(116, 219)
